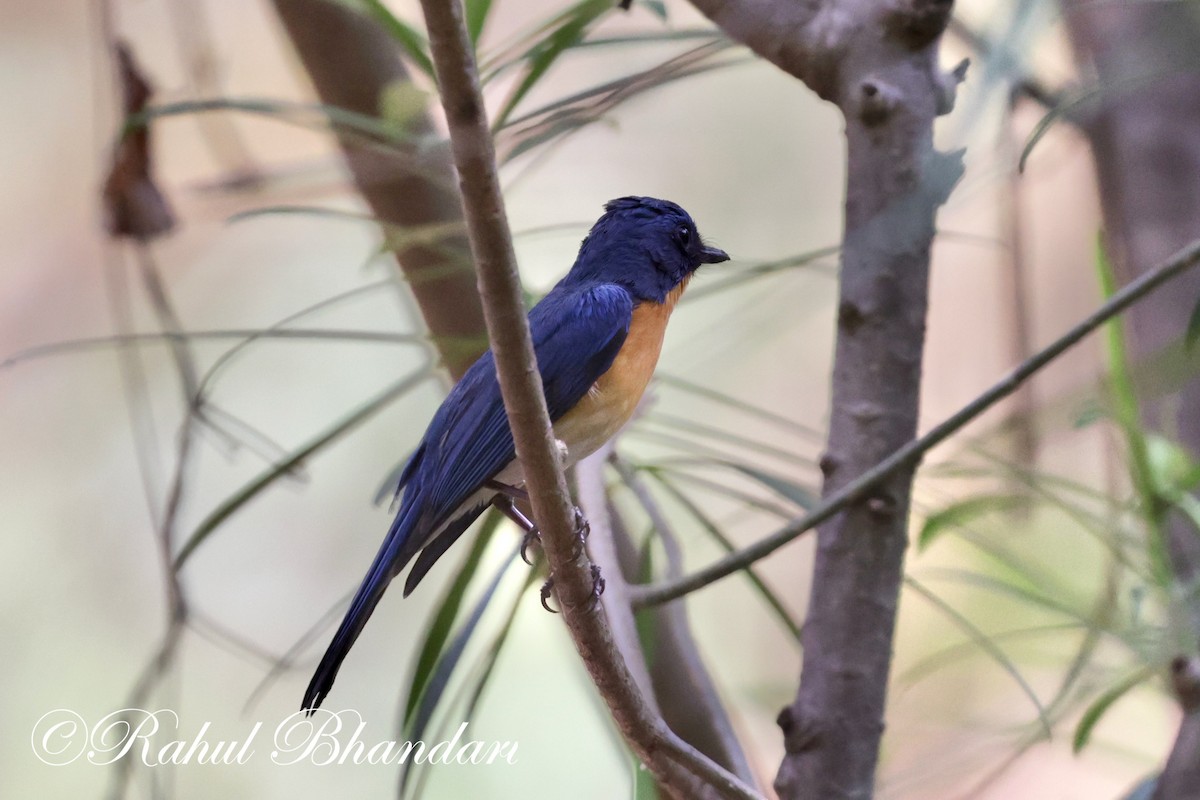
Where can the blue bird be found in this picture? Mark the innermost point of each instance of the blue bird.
(597, 336)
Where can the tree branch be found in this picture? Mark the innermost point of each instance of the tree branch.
(859, 489)
(877, 61)
(1180, 779)
(1146, 149)
(351, 62)
(684, 772)
(685, 691)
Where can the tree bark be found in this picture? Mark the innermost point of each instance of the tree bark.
(351, 61)
(1145, 139)
(878, 63)
(1144, 133)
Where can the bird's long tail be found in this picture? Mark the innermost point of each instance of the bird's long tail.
(395, 552)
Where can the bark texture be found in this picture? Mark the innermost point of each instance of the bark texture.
(1145, 138)
(878, 63)
(1180, 779)
(351, 61)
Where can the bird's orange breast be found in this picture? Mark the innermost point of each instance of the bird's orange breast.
(610, 402)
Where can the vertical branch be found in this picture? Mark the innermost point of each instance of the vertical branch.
(877, 61)
(351, 62)
(684, 772)
(1145, 142)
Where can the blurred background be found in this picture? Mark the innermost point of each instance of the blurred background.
(1024, 611)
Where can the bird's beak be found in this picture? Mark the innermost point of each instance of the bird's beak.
(713, 255)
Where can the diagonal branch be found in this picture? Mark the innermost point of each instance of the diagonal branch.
(860, 489)
(684, 772)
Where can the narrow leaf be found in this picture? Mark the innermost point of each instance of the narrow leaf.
(438, 631)
(769, 597)
(1100, 706)
(800, 495)
(477, 15)
(450, 656)
(252, 489)
(545, 52)
(409, 38)
(986, 644)
(1193, 329)
(964, 511)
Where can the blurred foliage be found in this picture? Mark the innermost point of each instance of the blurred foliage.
(715, 474)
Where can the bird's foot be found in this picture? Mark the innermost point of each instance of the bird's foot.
(598, 585)
(533, 535)
(582, 529)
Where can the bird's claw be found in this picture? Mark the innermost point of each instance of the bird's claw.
(547, 587)
(598, 585)
(532, 535)
(582, 529)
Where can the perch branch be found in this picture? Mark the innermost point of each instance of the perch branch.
(678, 767)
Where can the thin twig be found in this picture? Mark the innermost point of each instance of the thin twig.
(683, 684)
(681, 770)
(1025, 84)
(170, 337)
(858, 489)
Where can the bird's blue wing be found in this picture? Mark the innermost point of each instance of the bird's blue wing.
(576, 335)
(577, 332)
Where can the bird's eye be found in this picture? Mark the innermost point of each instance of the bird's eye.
(685, 234)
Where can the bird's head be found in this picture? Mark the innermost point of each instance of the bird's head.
(646, 245)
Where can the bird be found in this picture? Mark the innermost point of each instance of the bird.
(597, 336)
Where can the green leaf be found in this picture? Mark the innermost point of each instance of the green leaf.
(645, 787)
(1127, 412)
(477, 15)
(1091, 413)
(1100, 706)
(656, 7)
(438, 631)
(1170, 466)
(721, 487)
(479, 676)
(409, 38)
(688, 425)
(964, 511)
(492, 652)
(1193, 329)
(401, 103)
(371, 130)
(706, 523)
(738, 404)
(1053, 116)
(985, 643)
(542, 55)
(252, 489)
(800, 495)
(438, 678)
(563, 116)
